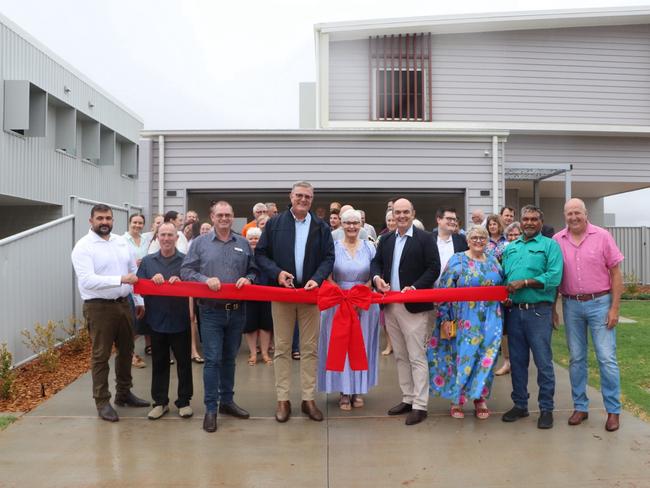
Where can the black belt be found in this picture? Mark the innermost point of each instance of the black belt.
(585, 297)
(221, 305)
(106, 300)
(529, 306)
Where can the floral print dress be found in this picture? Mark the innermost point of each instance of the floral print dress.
(463, 367)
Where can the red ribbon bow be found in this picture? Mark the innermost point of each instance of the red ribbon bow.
(346, 337)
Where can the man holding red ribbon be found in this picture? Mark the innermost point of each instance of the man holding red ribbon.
(407, 260)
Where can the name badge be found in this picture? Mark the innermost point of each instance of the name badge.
(238, 249)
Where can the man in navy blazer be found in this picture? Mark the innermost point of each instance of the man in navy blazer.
(296, 249)
(408, 259)
(448, 242)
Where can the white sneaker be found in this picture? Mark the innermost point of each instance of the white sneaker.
(185, 412)
(157, 412)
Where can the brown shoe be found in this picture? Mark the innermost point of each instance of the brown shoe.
(283, 412)
(309, 407)
(578, 417)
(612, 422)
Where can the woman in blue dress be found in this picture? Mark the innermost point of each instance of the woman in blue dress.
(351, 267)
(462, 367)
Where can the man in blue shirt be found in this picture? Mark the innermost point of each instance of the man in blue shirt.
(219, 257)
(169, 320)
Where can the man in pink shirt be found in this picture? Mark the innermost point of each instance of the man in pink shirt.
(591, 293)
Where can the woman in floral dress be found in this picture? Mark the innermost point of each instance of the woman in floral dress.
(462, 367)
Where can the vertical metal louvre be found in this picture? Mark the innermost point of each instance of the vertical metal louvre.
(399, 74)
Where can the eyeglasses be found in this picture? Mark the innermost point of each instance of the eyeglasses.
(478, 239)
(223, 216)
(451, 219)
(351, 223)
(514, 234)
(303, 196)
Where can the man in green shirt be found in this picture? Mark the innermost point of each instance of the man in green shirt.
(533, 268)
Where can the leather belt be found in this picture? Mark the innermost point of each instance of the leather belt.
(221, 305)
(106, 300)
(585, 297)
(531, 306)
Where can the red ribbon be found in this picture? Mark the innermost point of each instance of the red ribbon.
(346, 336)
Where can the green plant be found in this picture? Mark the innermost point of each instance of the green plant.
(7, 374)
(632, 282)
(77, 334)
(5, 420)
(43, 343)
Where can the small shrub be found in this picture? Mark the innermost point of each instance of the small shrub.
(7, 373)
(43, 342)
(77, 334)
(632, 282)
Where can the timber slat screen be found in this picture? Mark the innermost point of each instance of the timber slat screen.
(399, 69)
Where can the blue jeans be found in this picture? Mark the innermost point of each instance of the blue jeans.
(580, 317)
(222, 331)
(530, 330)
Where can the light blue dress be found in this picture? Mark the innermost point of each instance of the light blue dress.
(349, 271)
(463, 367)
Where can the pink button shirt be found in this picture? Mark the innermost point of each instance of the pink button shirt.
(586, 266)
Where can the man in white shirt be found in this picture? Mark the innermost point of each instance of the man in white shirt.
(449, 243)
(105, 268)
(370, 229)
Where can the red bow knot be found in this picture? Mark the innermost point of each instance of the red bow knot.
(346, 338)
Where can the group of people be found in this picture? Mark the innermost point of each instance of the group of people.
(445, 349)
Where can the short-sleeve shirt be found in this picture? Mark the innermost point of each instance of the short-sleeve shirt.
(587, 264)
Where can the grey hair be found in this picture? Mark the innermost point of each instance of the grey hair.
(418, 224)
(389, 214)
(532, 209)
(351, 215)
(254, 231)
(302, 184)
(511, 227)
(478, 230)
(259, 206)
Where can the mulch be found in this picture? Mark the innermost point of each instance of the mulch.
(33, 385)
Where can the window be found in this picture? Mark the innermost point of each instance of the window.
(400, 77)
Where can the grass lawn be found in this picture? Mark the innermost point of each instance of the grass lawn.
(5, 420)
(633, 347)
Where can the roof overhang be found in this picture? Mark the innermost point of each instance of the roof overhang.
(486, 22)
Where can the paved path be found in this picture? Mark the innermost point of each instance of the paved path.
(63, 443)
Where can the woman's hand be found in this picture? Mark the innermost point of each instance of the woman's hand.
(446, 326)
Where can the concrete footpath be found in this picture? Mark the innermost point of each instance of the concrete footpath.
(63, 443)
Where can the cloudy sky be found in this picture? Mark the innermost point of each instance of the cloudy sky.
(209, 64)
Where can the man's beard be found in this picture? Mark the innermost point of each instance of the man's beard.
(103, 229)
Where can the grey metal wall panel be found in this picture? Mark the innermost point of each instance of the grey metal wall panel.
(588, 75)
(634, 243)
(625, 159)
(35, 283)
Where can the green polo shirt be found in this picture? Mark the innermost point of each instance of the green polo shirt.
(539, 258)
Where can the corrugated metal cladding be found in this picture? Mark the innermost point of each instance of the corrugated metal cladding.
(634, 243)
(597, 159)
(36, 284)
(587, 75)
(329, 163)
(31, 168)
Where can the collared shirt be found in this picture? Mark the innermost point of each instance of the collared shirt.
(210, 257)
(100, 265)
(140, 250)
(400, 242)
(538, 258)
(587, 264)
(300, 244)
(167, 315)
(446, 251)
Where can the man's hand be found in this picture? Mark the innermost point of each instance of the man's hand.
(129, 279)
(381, 285)
(174, 279)
(213, 283)
(513, 286)
(612, 318)
(242, 282)
(407, 288)
(139, 311)
(158, 279)
(556, 319)
(285, 279)
(311, 285)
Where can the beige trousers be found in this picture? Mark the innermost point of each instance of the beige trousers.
(285, 316)
(409, 333)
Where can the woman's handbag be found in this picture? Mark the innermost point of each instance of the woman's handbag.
(453, 328)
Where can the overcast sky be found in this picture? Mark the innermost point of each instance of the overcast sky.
(210, 64)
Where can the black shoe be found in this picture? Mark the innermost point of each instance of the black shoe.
(400, 408)
(130, 400)
(210, 422)
(234, 410)
(106, 412)
(545, 420)
(515, 413)
(415, 417)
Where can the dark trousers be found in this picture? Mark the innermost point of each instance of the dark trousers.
(180, 344)
(110, 323)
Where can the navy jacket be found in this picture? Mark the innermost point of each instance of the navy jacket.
(166, 315)
(418, 267)
(275, 249)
